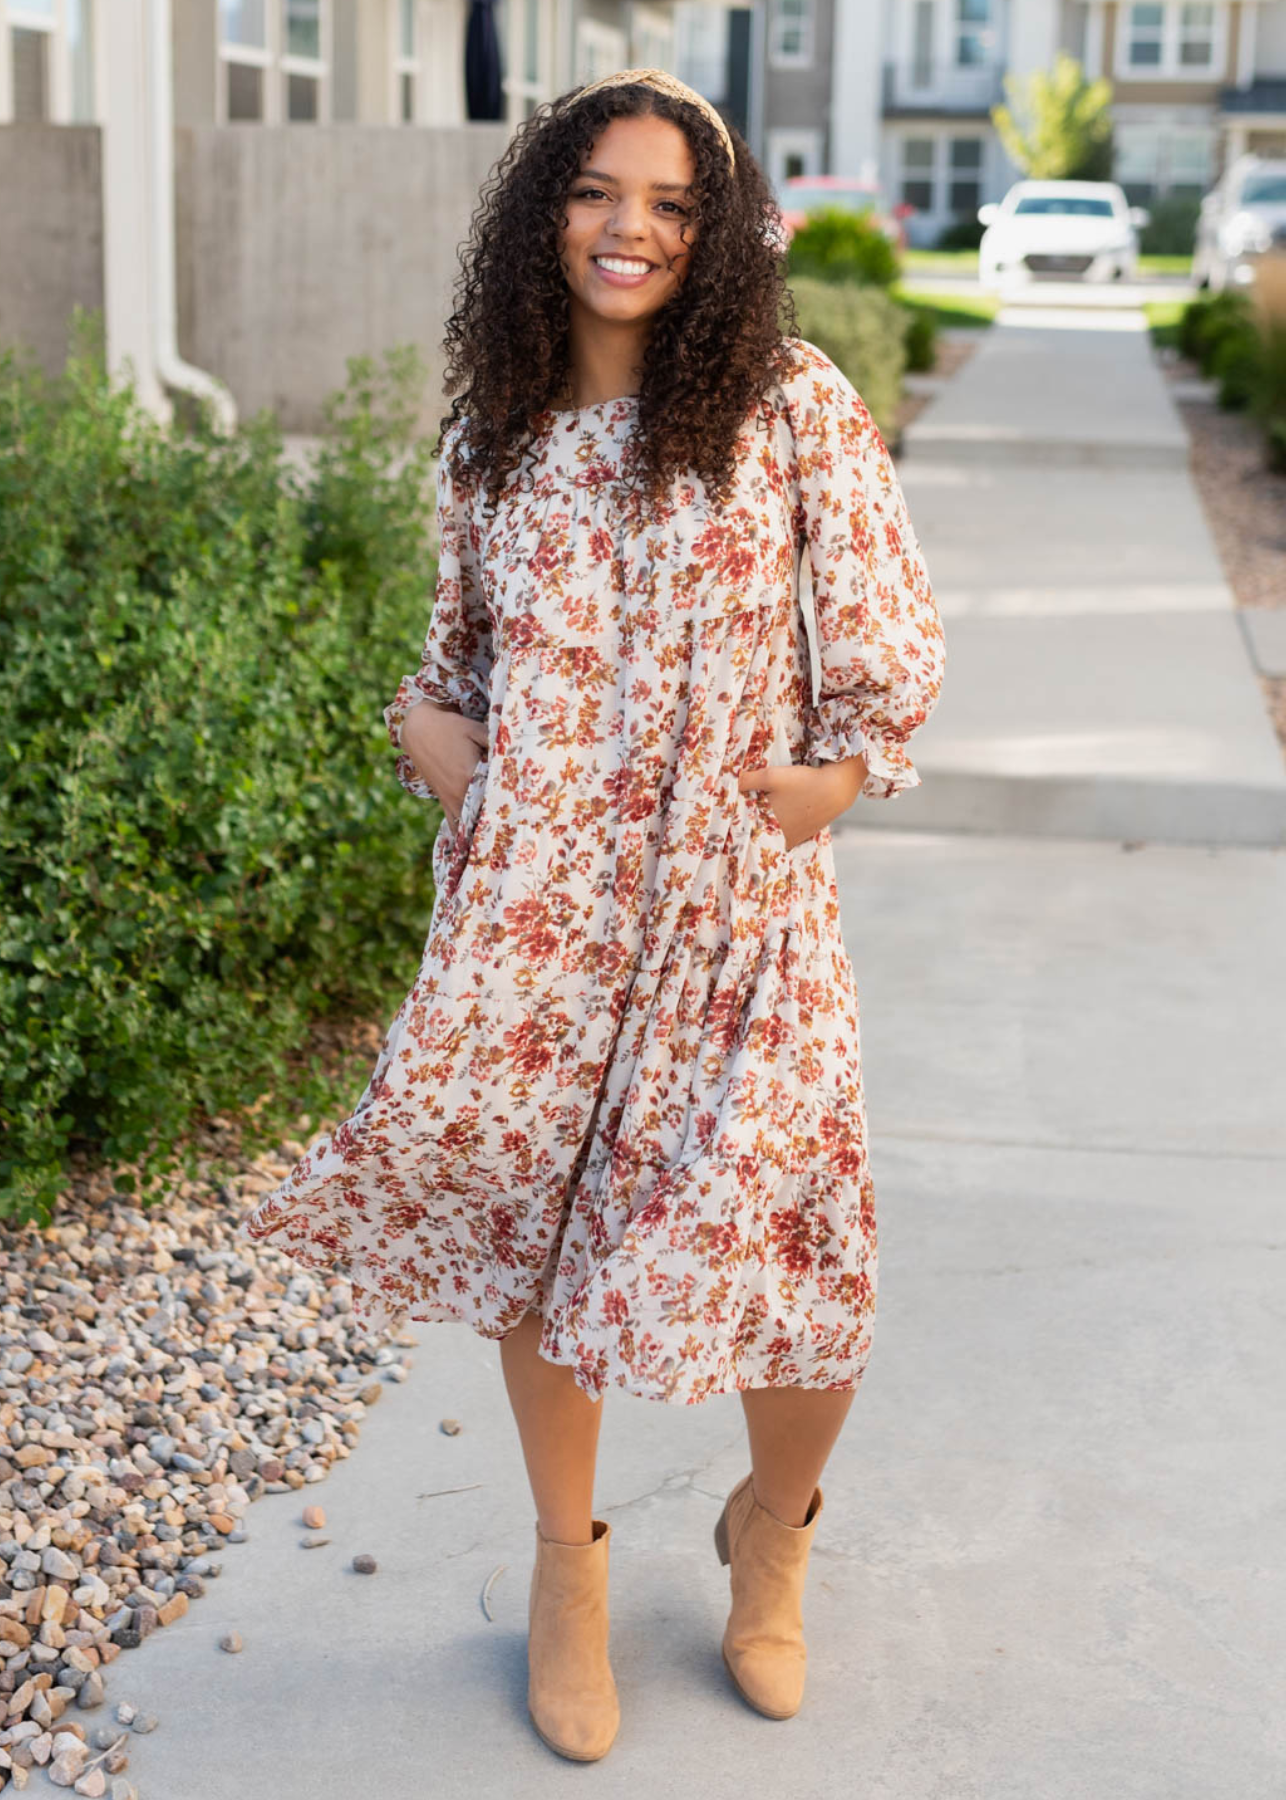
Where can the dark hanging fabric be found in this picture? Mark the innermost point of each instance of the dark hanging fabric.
(484, 98)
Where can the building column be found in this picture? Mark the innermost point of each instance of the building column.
(856, 89)
(127, 260)
(1247, 20)
(1094, 40)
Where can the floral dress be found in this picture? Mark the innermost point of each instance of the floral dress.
(625, 1089)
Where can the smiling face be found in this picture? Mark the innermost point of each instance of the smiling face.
(627, 242)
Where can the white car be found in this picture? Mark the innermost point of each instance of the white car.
(1241, 219)
(1073, 230)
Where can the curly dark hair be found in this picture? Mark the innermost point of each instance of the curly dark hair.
(714, 347)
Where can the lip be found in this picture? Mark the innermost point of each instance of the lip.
(613, 279)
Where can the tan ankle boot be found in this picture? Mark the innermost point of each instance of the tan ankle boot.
(571, 1693)
(763, 1643)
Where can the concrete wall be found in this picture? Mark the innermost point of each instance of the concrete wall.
(298, 249)
(51, 234)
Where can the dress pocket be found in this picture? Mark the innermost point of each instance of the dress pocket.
(451, 847)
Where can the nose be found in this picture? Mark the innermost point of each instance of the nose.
(629, 217)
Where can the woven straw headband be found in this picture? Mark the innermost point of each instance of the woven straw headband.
(666, 84)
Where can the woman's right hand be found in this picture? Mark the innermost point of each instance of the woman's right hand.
(446, 748)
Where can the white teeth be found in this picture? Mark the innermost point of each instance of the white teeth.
(620, 265)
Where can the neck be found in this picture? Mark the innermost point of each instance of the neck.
(606, 358)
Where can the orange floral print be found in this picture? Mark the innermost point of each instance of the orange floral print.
(625, 1090)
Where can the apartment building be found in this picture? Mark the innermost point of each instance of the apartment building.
(369, 62)
(1195, 82)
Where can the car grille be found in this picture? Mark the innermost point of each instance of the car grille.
(1058, 265)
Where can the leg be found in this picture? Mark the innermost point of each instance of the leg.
(558, 1426)
(792, 1432)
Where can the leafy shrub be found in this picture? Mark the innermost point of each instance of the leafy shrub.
(1237, 365)
(203, 846)
(921, 340)
(1268, 402)
(961, 234)
(1172, 228)
(835, 245)
(862, 330)
(1207, 321)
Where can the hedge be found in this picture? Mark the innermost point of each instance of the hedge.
(863, 331)
(203, 844)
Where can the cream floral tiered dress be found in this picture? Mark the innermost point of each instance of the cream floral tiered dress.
(626, 1087)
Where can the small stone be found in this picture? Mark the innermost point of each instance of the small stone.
(116, 1759)
(123, 1790)
(57, 1562)
(314, 1517)
(93, 1784)
(106, 1735)
(42, 1747)
(232, 1640)
(314, 1543)
(125, 1712)
(64, 1770)
(91, 1693)
(146, 1722)
(371, 1393)
(19, 1777)
(365, 1565)
(452, 1427)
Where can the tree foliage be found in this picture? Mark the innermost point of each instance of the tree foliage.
(1058, 123)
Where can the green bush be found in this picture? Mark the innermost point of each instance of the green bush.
(203, 846)
(961, 234)
(835, 245)
(1268, 402)
(1207, 321)
(921, 340)
(1237, 366)
(1172, 226)
(862, 330)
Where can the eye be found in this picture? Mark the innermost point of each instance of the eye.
(680, 209)
(587, 193)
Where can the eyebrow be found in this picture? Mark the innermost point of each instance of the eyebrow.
(658, 187)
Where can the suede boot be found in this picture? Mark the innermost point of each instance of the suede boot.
(571, 1693)
(763, 1643)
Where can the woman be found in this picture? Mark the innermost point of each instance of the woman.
(618, 1123)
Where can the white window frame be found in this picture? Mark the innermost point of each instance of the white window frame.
(982, 29)
(61, 79)
(801, 18)
(407, 64)
(941, 171)
(1169, 68)
(277, 64)
(805, 142)
(519, 90)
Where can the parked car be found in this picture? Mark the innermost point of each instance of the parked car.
(802, 194)
(1240, 219)
(1074, 230)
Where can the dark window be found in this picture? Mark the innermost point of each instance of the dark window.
(918, 194)
(245, 91)
(30, 75)
(302, 93)
(408, 99)
(966, 196)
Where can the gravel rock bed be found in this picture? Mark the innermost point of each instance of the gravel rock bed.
(156, 1378)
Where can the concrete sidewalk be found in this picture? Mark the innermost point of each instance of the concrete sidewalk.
(1049, 1567)
(1098, 681)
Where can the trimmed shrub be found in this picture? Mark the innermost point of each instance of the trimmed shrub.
(1207, 321)
(961, 234)
(1237, 365)
(921, 341)
(203, 845)
(863, 332)
(835, 245)
(1268, 402)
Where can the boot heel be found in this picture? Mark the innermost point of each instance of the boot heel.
(721, 1538)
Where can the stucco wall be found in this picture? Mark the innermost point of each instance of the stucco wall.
(51, 234)
(298, 249)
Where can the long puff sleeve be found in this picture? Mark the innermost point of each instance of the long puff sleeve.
(455, 667)
(879, 633)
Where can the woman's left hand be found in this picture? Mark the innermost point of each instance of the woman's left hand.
(805, 799)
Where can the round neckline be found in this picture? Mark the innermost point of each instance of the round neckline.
(570, 412)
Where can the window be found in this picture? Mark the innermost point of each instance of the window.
(790, 34)
(973, 32)
(1060, 206)
(917, 173)
(1150, 159)
(965, 187)
(1174, 39)
(275, 60)
(922, 44)
(406, 65)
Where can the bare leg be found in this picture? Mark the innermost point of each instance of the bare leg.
(792, 1432)
(558, 1425)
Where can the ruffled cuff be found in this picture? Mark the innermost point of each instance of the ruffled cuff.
(838, 731)
(411, 691)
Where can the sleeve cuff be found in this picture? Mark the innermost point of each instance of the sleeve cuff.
(839, 733)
